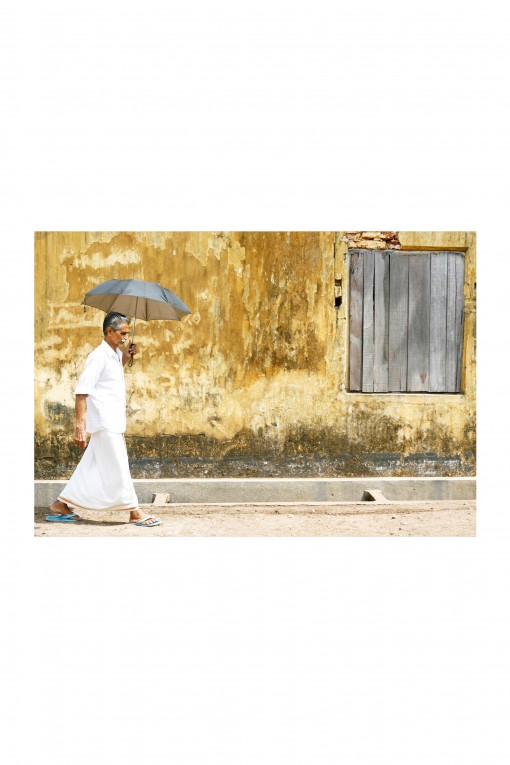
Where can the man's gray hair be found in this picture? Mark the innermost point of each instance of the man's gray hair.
(114, 320)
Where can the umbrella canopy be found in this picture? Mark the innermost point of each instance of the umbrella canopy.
(131, 297)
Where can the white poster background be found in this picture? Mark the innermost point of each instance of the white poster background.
(265, 116)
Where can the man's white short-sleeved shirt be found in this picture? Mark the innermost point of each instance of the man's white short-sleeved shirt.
(103, 382)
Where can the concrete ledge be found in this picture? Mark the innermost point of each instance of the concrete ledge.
(308, 508)
(206, 491)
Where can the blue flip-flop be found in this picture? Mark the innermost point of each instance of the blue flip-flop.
(153, 522)
(62, 518)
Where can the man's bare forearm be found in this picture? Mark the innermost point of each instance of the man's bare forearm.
(80, 437)
(81, 409)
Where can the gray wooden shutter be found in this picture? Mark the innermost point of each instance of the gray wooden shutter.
(459, 315)
(406, 321)
(454, 320)
(438, 286)
(399, 309)
(418, 343)
(381, 320)
(356, 320)
(367, 380)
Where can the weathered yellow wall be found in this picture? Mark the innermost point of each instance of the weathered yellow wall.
(253, 382)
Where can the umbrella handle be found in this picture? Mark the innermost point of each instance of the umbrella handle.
(130, 363)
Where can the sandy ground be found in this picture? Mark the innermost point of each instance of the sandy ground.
(422, 519)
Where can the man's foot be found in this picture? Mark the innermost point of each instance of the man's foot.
(137, 515)
(60, 508)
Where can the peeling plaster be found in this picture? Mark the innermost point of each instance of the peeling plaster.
(97, 260)
(236, 257)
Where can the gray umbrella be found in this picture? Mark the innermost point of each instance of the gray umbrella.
(131, 297)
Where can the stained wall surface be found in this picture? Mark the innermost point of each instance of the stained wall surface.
(254, 381)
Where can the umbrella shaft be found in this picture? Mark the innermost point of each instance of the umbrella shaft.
(134, 324)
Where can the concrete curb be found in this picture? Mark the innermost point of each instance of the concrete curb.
(206, 491)
(307, 508)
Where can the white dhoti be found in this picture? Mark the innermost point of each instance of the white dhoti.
(102, 480)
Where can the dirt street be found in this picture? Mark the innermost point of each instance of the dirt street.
(423, 519)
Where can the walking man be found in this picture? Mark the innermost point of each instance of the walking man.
(102, 480)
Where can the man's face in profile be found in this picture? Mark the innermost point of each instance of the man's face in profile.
(118, 337)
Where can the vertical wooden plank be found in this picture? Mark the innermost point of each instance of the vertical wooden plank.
(399, 302)
(367, 383)
(355, 320)
(419, 322)
(451, 309)
(381, 320)
(438, 284)
(459, 316)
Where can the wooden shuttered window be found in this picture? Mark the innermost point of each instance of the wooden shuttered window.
(406, 321)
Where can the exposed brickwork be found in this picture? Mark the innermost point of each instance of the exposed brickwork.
(372, 240)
